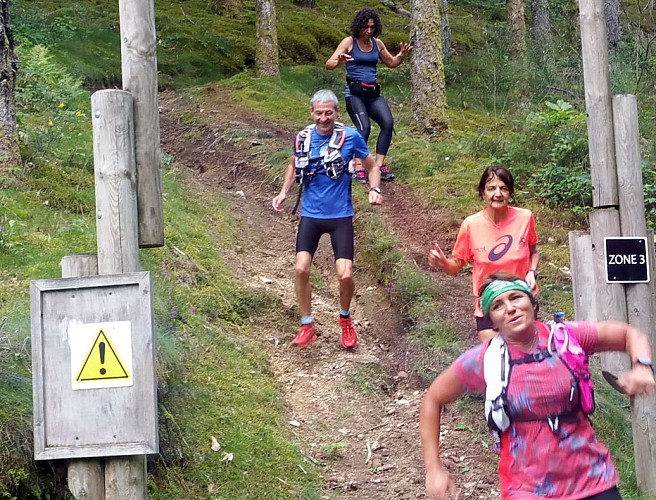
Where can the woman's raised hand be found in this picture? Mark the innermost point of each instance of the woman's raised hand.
(344, 57)
(405, 49)
(436, 257)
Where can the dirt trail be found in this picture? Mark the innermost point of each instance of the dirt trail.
(367, 445)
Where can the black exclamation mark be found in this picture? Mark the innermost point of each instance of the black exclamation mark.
(101, 347)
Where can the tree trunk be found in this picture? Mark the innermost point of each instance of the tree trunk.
(427, 67)
(308, 4)
(516, 28)
(266, 52)
(542, 41)
(446, 32)
(9, 152)
(613, 23)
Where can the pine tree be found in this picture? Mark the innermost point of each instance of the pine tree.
(266, 51)
(427, 67)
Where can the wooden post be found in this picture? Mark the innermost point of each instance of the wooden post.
(80, 264)
(139, 70)
(598, 103)
(116, 193)
(638, 295)
(125, 478)
(86, 477)
(118, 249)
(583, 280)
(610, 297)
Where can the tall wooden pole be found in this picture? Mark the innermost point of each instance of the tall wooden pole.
(638, 295)
(139, 70)
(598, 103)
(118, 249)
(604, 219)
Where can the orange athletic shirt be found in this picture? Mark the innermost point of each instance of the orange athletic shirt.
(496, 247)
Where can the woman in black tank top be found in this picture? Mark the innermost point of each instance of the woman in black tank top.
(360, 53)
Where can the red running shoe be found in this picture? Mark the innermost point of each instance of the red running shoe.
(305, 336)
(349, 336)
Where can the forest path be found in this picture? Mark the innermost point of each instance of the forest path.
(355, 413)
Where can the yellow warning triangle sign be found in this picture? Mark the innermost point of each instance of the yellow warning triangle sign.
(102, 362)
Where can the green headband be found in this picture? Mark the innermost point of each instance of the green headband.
(497, 287)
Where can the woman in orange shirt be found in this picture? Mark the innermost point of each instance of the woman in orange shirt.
(498, 238)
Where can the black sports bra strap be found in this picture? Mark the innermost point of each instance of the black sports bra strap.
(536, 357)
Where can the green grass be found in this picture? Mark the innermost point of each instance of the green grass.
(227, 391)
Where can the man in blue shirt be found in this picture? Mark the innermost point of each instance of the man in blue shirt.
(321, 155)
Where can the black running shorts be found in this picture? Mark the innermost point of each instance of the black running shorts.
(612, 494)
(341, 233)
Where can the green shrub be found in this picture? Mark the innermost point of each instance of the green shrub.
(52, 111)
(649, 185)
(551, 159)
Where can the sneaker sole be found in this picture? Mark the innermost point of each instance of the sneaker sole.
(348, 347)
(305, 344)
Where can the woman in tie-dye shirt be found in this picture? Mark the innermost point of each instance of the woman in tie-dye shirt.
(538, 459)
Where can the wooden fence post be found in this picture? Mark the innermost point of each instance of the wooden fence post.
(86, 477)
(116, 182)
(638, 295)
(583, 280)
(117, 235)
(139, 70)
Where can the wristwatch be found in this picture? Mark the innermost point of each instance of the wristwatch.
(645, 361)
(377, 189)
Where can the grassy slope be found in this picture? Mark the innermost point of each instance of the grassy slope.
(52, 209)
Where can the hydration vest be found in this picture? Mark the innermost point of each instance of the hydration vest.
(331, 162)
(497, 368)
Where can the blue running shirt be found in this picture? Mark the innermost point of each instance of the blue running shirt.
(323, 197)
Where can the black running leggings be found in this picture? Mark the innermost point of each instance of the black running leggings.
(612, 494)
(362, 109)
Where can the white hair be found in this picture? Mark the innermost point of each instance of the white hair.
(324, 96)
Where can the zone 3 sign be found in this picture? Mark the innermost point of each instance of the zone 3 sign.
(626, 260)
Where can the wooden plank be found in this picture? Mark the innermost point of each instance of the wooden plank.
(598, 102)
(139, 71)
(116, 179)
(583, 276)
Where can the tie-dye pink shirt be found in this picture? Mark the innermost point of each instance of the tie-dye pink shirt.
(536, 462)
